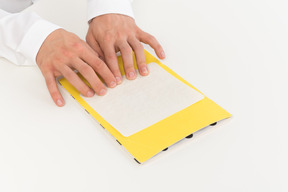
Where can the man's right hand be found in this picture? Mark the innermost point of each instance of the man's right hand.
(60, 54)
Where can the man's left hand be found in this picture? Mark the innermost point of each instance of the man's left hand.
(111, 33)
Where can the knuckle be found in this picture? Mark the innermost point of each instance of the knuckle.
(158, 47)
(142, 63)
(69, 75)
(78, 47)
(151, 38)
(129, 68)
(84, 90)
(139, 46)
(57, 73)
(139, 31)
(98, 64)
(98, 88)
(45, 68)
(126, 49)
(59, 58)
(66, 53)
(85, 69)
(110, 56)
(49, 83)
(123, 34)
(119, 35)
(61, 67)
(107, 38)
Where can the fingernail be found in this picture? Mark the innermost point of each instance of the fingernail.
(113, 84)
(131, 75)
(103, 92)
(163, 54)
(144, 70)
(59, 102)
(119, 80)
(90, 94)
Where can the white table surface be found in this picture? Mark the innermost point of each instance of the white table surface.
(233, 51)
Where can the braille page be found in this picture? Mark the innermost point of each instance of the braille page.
(137, 104)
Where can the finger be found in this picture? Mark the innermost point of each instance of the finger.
(112, 61)
(152, 41)
(95, 46)
(91, 58)
(127, 55)
(89, 74)
(140, 56)
(75, 80)
(53, 90)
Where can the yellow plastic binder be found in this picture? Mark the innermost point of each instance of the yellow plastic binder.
(148, 142)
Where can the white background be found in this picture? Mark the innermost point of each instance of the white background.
(235, 52)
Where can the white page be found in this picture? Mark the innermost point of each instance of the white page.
(137, 104)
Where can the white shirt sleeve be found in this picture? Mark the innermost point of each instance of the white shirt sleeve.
(102, 7)
(21, 36)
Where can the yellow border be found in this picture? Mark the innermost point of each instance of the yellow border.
(146, 143)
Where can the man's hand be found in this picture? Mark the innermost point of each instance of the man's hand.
(111, 33)
(63, 52)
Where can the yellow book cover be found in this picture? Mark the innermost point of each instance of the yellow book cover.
(151, 113)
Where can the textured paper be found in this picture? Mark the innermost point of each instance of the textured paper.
(137, 104)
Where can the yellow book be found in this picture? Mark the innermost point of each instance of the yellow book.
(149, 114)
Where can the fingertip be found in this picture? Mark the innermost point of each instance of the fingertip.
(103, 92)
(144, 71)
(131, 75)
(60, 102)
(119, 80)
(112, 84)
(90, 93)
(54, 91)
(161, 54)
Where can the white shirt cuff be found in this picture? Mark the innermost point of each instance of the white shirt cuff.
(34, 39)
(102, 7)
